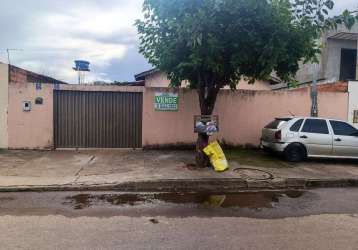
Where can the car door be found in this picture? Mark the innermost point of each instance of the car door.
(345, 139)
(317, 138)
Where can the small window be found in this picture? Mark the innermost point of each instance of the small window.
(296, 126)
(355, 116)
(316, 126)
(39, 101)
(342, 128)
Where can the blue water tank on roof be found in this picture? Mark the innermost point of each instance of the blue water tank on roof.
(81, 65)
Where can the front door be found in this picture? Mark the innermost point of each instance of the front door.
(316, 137)
(345, 139)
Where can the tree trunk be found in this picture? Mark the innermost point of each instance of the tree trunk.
(207, 99)
(201, 158)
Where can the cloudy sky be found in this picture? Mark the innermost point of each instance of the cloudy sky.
(51, 34)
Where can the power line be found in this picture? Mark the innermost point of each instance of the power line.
(8, 54)
(49, 50)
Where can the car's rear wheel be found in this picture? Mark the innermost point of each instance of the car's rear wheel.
(295, 153)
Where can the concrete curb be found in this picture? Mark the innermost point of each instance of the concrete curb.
(192, 185)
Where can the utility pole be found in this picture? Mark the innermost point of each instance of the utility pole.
(314, 94)
(8, 54)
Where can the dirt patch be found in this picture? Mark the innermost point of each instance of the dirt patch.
(256, 157)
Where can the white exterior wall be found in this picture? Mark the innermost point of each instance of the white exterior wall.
(353, 100)
(4, 100)
(333, 63)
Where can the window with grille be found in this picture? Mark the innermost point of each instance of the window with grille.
(355, 117)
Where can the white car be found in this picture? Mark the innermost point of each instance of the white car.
(300, 137)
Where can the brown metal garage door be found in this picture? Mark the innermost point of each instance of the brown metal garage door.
(97, 119)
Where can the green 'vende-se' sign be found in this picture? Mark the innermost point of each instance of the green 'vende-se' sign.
(166, 101)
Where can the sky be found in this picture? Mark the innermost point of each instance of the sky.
(49, 35)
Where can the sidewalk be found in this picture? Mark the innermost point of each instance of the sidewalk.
(157, 171)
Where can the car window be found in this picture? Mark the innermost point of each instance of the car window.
(316, 126)
(296, 126)
(342, 128)
(277, 123)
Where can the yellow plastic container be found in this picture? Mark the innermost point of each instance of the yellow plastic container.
(216, 156)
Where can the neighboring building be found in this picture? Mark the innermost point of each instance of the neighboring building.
(338, 60)
(156, 78)
(136, 83)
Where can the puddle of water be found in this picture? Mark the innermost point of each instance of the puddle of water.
(252, 200)
(82, 201)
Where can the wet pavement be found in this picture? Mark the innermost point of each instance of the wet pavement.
(163, 170)
(268, 205)
(321, 219)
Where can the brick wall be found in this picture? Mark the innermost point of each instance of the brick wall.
(334, 87)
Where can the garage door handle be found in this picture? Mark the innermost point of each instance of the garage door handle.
(338, 139)
(304, 137)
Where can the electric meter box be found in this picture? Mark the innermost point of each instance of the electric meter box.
(26, 106)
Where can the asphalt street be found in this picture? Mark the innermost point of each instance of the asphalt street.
(316, 219)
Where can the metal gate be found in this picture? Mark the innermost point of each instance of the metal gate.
(97, 119)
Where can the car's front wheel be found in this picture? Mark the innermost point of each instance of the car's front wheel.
(295, 153)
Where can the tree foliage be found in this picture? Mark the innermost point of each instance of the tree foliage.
(216, 42)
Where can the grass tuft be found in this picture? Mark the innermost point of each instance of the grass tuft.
(256, 157)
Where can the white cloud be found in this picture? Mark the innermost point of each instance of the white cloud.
(57, 34)
(53, 33)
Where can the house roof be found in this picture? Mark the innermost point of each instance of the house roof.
(17, 74)
(345, 36)
(136, 83)
(143, 75)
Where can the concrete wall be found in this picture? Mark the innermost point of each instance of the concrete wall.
(33, 129)
(4, 81)
(160, 80)
(242, 114)
(353, 100)
(157, 79)
(164, 128)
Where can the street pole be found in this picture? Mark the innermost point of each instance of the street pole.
(314, 95)
(8, 54)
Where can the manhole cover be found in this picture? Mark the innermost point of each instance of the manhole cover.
(253, 174)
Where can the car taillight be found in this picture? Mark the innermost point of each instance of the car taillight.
(278, 135)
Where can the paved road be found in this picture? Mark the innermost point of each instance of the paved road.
(320, 219)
